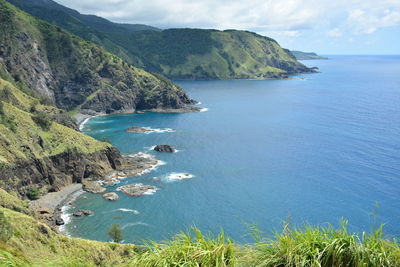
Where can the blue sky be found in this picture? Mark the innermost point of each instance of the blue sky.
(326, 27)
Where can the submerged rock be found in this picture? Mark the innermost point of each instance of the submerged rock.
(111, 196)
(137, 190)
(137, 129)
(164, 148)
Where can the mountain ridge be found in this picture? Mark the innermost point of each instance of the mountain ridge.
(184, 53)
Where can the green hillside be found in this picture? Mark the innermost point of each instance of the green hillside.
(24, 241)
(179, 53)
(75, 74)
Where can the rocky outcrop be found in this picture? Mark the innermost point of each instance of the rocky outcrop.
(137, 129)
(94, 187)
(60, 170)
(112, 196)
(137, 190)
(164, 148)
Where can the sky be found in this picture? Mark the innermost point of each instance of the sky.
(327, 27)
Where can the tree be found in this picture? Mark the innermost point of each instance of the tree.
(115, 232)
(6, 229)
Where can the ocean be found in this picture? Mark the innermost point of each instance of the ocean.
(310, 150)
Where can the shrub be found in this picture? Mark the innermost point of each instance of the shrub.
(33, 193)
(43, 120)
(6, 229)
(115, 232)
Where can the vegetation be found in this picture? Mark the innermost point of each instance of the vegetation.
(43, 120)
(73, 74)
(25, 135)
(177, 53)
(33, 193)
(115, 232)
(6, 230)
(34, 244)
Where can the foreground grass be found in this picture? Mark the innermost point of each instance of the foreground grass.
(35, 244)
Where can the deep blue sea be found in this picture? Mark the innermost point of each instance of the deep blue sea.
(315, 149)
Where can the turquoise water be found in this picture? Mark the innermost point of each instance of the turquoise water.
(315, 150)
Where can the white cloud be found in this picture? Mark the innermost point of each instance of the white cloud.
(335, 33)
(286, 17)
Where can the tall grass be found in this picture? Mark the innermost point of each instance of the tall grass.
(187, 250)
(322, 246)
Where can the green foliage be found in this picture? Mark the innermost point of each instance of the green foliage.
(33, 193)
(178, 53)
(43, 120)
(323, 246)
(6, 229)
(186, 250)
(115, 232)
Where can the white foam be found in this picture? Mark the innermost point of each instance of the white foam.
(129, 210)
(203, 110)
(65, 214)
(178, 176)
(158, 130)
(81, 126)
(150, 192)
(152, 168)
(199, 103)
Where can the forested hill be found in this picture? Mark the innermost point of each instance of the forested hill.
(176, 53)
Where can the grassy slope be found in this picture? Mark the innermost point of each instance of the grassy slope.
(21, 137)
(181, 53)
(34, 244)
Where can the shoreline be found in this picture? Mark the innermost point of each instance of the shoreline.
(53, 200)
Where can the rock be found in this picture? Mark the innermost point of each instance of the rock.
(87, 212)
(164, 148)
(93, 187)
(59, 221)
(111, 196)
(137, 129)
(45, 211)
(137, 190)
(78, 214)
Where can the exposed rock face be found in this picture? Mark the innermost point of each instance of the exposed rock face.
(137, 129)
(137, 190)
(58, 171)
(164, 148)
(93, 187)
(111, 196)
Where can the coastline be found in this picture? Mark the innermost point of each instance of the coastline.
(53, 200)
(82, 119)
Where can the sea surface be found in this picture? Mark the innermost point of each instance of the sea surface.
(312, 149)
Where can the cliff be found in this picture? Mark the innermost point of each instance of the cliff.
(38, 152)
(48, 62)
(178, 53)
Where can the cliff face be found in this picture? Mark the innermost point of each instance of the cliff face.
(179, 53)
(73, 73)
(38, 152)
(55, 172)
